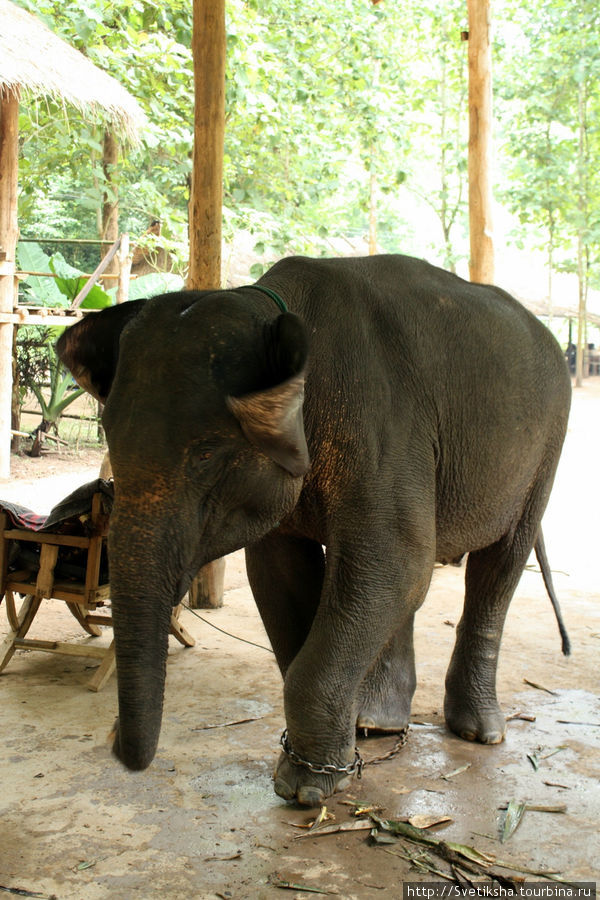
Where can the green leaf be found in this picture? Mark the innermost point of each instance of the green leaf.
(42, 291)
(153, 284)
(511, 819)
(71, 282)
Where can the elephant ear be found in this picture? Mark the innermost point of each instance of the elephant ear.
(272, 418)
(90, 349)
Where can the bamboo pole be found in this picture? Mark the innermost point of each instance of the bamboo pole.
(9, 155)
(206, 200)
(481, 265)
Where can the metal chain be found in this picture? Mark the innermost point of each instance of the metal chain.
(352, 768)
(325, 769)
(400, 742)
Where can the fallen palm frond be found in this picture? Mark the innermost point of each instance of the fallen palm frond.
(276, 881)
(462, 859)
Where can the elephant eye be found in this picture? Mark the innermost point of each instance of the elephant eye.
(206, 455)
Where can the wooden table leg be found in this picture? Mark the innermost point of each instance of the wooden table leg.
(178, 631)
(104, 670)
(80, 614)
(20, 623)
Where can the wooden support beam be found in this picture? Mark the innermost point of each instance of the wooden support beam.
(205, 209)
(17, 318)
(62, 647)
(481, 230)
(9, 155)
(206, 201)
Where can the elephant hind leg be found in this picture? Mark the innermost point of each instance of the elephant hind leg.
(286, 576)
(386, 693)
(492, 575)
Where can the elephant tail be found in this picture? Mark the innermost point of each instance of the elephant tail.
(540, 552)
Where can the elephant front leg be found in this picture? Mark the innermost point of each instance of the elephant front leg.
(357, 632)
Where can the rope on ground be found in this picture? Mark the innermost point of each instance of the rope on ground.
(222, 630)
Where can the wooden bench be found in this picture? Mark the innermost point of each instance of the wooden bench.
(83, 595)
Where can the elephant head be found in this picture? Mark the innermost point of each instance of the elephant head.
(203, 417)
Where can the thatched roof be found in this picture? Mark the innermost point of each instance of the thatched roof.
(36, 61)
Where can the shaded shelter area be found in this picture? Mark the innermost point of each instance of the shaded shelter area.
(34, 62)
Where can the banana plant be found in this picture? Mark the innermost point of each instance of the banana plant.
(37, 360)
(62, 393)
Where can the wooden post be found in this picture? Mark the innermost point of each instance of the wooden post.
(205, 210)
(481, 264)
(206, 590)
(9, 156)
(206, 200)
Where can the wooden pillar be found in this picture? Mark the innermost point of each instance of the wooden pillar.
(205, 210)
(206, 200)
(481, 264)
(9, 155)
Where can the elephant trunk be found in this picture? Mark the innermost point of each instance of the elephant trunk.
(143, 596)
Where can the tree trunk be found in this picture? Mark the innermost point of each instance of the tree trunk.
(550, 265)
(9, 150)
(15, 405)
(581, 237)
(480, 143)
(205, 209)
(373, 205)
(110, 204)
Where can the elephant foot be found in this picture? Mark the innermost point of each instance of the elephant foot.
(484, 723)
(309, 784)
(386, 694)
(384, 717)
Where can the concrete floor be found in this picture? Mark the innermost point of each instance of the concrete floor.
(203, 821)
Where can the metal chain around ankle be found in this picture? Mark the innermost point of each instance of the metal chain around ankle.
(401, 738)
(353, 768)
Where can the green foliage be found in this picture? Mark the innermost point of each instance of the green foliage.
(61, 290)
(333, 110)
(154, 284)
(40, 370)
(551, 122)
(35, 289)
(320, 97)
(70, 282)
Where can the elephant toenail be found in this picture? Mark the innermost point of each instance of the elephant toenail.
(343, 784)
(468, 735)
(311, 796)
(282, 789)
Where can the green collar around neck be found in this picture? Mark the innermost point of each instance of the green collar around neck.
(272, 294)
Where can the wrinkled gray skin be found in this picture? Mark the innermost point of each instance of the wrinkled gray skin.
(431, 426)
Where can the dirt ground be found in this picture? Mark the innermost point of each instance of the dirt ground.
(203, 820)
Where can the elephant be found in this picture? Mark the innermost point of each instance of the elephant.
(349, 422)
